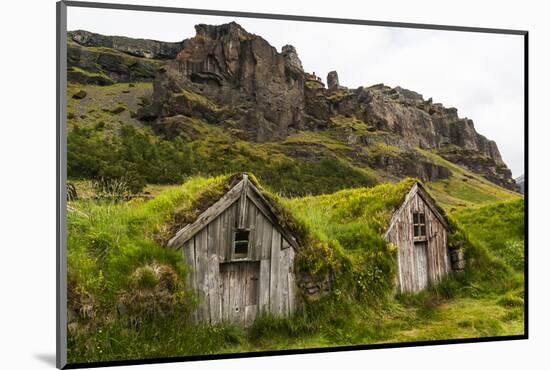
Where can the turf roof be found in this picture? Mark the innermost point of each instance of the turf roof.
(374, 206)
(216, 189)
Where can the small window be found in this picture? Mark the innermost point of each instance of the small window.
(419, 224)
(241, 243)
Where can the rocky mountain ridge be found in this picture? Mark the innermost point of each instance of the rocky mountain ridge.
(227, 76)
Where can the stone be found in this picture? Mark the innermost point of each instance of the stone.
(80, 94)
(332, 80)
(136, 47)
(105, 67)
(232, 67)
(117, 110)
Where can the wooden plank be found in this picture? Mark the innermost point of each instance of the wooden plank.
(201, 250)
(250, 313)
(274, 284)
(231, 224)
(252, 276)
(251, 224)
(283, 278)
(291, 283)
(267, 235)
(190, 230)
(242, 286)
(243, 206)
(232, 291)
(267, 209)
(188, 252)
(264, 286)
(213, 231)
(225, 273)
(251, 299)
(258, 234)
(223, 236)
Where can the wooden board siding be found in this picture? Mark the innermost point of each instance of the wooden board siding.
(415, 267)
(238, 290)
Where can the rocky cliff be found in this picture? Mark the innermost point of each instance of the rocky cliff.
(240, 76)
(229, 77)
(150, 49)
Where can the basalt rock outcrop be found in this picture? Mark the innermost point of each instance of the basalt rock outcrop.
(413, 122)
(142, 48)
(227, 76)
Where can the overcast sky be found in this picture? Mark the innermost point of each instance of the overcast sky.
(479, 74)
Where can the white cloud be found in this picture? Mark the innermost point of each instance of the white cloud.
(480, 74)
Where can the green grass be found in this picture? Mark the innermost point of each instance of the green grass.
(499, 227)
(464, 189)
(357, 125)
(380, 148)
(137, 153)
(94, 109)
(101, 75)
(311, 84)
(109, 243)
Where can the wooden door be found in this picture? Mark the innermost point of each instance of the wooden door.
(239, 281)
(421, 265)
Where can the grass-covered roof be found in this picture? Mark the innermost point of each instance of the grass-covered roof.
(372, 207)
(214, 190)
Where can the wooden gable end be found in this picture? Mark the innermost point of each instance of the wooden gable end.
(240, 194)
(422, 259)
(417, 189)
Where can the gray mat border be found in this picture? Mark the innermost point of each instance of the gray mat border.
(61, 172)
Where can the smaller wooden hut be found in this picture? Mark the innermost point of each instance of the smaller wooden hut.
(241, 255)
(419, 230)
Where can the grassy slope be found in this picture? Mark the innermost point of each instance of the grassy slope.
(471, 310)
(327, 166)
(500, 227)
(108, 241)
(103, 146)
(464, 188)
(101, 100)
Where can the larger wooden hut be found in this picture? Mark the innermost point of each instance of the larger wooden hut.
(419, 230)
(241, 255)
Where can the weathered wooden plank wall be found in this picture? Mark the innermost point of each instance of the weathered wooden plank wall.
(411, 264)
(237, 291)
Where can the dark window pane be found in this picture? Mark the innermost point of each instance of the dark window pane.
(242, 235)
(416, 231)
(422, 219)
(415, 218)
(241, 243)
(423, 230)
(241, 249)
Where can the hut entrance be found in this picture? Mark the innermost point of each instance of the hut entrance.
(421, 264)
(239, 288)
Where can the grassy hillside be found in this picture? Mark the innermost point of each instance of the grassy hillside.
(464, 188)
(127, 296)
(500, 228)
(106, 143)
(105, 140)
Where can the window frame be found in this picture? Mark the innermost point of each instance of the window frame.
(240, 256)
(419, 222)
